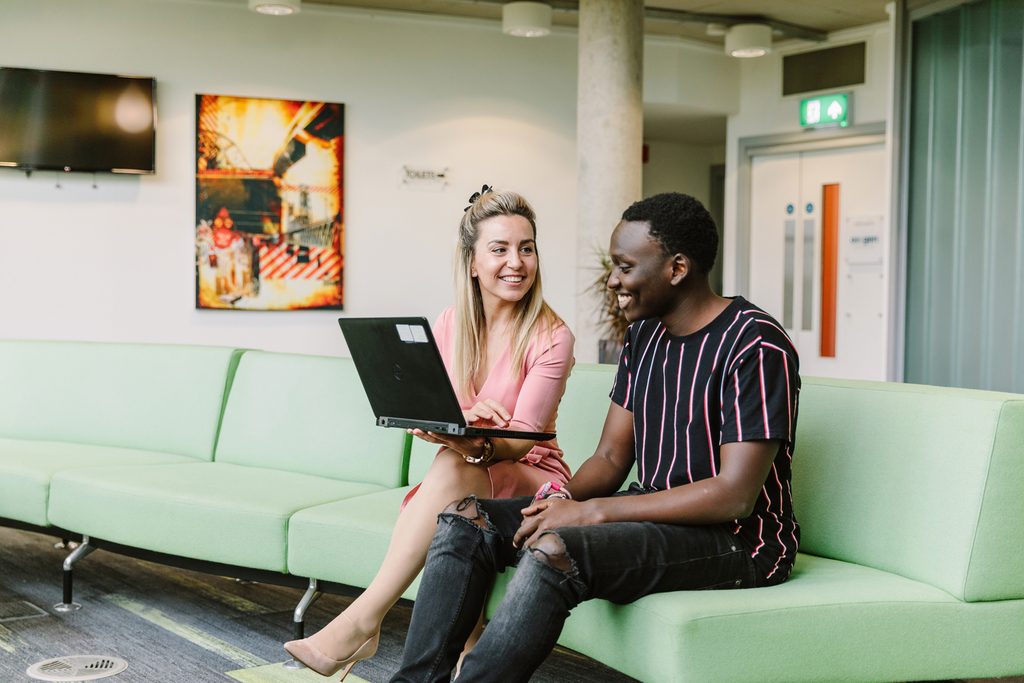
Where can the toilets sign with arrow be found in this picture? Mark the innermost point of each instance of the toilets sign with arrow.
(825, 110)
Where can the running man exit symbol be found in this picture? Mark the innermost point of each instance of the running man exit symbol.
(814, 112)
(825, 110)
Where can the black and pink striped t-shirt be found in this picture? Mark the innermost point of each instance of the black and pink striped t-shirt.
(737, 379)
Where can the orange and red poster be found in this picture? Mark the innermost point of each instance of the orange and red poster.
(269, 228)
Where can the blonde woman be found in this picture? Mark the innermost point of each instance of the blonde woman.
(509, 356)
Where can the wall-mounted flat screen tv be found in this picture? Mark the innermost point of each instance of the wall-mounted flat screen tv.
(77, 121)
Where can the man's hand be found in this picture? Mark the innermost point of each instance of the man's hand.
(554, 513)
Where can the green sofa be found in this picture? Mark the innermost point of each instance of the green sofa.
(910, 498)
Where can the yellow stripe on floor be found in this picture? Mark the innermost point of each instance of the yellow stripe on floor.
(276, 673)
(8, 641)
(193, 635)
(207, 590)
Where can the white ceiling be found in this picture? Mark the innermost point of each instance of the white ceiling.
(669, 123)
(822, 15)
(819, 15)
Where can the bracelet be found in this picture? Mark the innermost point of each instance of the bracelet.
(552, 489)
(486, 454)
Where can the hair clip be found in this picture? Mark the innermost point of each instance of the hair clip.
(476, 195)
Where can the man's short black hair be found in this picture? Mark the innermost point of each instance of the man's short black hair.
(681, 224)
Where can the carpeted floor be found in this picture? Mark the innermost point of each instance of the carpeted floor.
(188, 627)
(176, 625)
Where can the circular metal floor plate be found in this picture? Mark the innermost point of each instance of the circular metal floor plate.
(77, 668)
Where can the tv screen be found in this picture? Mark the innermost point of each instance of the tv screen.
(76, 121)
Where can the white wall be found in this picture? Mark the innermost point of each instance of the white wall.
(681, 167)
(115, 262)
(701, 77)
(685, 85)
(764, 111)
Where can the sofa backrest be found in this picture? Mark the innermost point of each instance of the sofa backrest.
(582, 411)
(580, 418)
(146, 396)
(307, 414)
(926, 482)
(420, 456)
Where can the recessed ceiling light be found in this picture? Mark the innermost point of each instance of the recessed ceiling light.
(748, 40)
(526, 19)
(277, 8)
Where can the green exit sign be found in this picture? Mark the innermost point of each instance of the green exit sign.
(826, 110)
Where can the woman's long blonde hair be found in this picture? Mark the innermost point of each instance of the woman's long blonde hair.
(531, 312)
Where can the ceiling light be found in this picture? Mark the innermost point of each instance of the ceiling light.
(748, 40)
(526, 19)
(277, 8)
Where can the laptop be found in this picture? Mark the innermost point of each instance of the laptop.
(405, 380)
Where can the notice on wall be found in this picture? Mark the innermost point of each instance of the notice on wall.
(863, 248)
(422, 178)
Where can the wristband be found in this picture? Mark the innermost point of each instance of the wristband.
(552, 489)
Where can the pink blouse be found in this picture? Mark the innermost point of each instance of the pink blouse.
(531, 395)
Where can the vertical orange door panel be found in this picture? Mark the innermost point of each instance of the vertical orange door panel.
(829, 267)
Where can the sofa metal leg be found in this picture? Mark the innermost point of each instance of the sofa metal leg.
(78, 553)
(298, 619)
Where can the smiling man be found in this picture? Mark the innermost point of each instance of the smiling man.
(704, 402)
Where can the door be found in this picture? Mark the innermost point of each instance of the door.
(818, 256)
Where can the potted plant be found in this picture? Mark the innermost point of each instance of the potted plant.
(611, 323)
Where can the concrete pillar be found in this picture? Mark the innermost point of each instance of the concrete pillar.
(609, 139)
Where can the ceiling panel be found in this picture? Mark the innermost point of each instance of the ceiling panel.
(820, 15)
(667, 123)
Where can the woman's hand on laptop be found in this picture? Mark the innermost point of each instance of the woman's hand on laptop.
(489, 411)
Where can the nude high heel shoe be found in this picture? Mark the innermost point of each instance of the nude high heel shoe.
(327, 666)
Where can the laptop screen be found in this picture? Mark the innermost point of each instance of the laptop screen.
(401, 369)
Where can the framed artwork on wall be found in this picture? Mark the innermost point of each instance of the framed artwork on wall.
(269, 223)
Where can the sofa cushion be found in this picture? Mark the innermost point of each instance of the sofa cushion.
(345, 541)
(921, 481)
(217, 512)
(26, 468)
(145, 396)
(307, 414)
(831, 621)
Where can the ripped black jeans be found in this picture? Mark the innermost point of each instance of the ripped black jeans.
(620, 562)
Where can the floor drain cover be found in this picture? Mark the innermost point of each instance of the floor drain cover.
(12, 610)
(77, 668)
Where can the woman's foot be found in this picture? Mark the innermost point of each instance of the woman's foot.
(329, 651)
